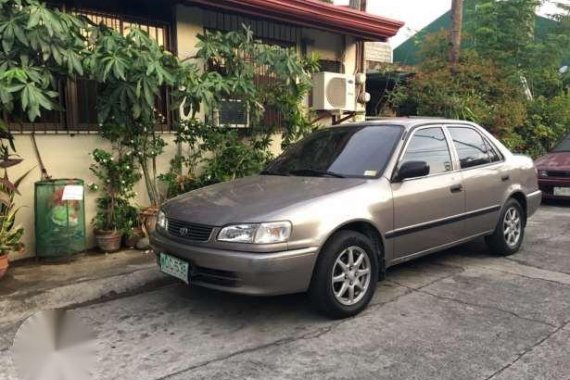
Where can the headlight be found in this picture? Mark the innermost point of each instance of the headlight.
(263, 233)
(161, 220)
(273, 233)
(542, 173)
(242, 233)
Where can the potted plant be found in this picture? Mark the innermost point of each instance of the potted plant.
(10, 233)
(10, 236)
(117, 177)
(132, 230)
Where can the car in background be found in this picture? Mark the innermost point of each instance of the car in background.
(336, 209)
(554, 171)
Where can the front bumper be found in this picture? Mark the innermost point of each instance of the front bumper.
(547, 186)
(264, 274)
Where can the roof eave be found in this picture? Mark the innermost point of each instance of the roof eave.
(314, 14)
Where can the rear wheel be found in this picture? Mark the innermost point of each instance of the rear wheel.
(345, 276)
(509, 233)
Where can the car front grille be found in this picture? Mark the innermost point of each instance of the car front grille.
(558, 173)
(189, 231)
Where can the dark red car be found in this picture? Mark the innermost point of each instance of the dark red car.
(554, 171)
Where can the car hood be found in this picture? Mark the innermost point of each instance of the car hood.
(558, 161)
(250, 199)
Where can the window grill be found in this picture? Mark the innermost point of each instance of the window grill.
(331, 66)
(77, 101)
(268, 32)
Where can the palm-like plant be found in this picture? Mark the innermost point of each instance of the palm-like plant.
(10, 232)
(131, 71)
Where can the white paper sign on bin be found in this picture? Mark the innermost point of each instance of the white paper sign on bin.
(72, 193)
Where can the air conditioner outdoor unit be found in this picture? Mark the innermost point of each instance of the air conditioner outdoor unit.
(334, 92)
(232, 113)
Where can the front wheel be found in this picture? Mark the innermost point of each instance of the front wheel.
(509, 233)
(345, 276)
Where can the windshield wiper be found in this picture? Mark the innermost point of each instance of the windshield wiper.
(314, 172)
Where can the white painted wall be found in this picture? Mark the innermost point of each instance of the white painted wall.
(65, 156)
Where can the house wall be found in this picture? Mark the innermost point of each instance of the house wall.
(67, 156)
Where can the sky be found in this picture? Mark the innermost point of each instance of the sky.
(419, 13)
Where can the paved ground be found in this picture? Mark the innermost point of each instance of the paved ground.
(32, 286)
(461, 314)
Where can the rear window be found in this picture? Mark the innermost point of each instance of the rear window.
(470, 146)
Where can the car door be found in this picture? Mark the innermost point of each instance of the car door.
(427, 209)
(485, 178)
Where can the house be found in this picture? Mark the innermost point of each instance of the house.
(63, 139)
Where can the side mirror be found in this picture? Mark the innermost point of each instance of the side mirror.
(412, 169)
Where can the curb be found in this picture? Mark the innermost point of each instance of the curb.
(22, 304)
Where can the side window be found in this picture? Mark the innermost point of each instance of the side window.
(471, 148)
(494, 154)
(430, 145)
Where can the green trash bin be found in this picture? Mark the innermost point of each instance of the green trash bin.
(60, 218)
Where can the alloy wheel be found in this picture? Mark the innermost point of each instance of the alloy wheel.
(512, 227)
(351, 275)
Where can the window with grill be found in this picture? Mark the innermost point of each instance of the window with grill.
(331, 66)
(77, 111)
(232, 112)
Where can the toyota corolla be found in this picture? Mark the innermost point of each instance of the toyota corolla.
(335, 210)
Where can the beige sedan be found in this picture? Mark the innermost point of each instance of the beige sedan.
(335, 210)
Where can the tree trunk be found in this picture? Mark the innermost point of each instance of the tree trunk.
(455, 32)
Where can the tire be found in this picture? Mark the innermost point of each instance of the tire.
(327, 294)
(505, 240)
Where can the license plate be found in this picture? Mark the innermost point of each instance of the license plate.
(175, 267)
(564, 191)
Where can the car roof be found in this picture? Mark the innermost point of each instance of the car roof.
(406, 122)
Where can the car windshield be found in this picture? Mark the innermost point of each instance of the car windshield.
(563, 146)
(356, 151)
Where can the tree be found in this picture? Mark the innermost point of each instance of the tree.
(504, 31)
(507, 79)
(455, 31)
(131, 70)
(39, 45)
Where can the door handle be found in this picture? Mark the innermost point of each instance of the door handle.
(456, 188)
(505, 177)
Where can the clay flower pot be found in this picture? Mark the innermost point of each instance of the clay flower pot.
(3, 264)
(108, 241)
(149, 218)
(133, 238)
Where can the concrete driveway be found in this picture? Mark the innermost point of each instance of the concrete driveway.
(461, 314)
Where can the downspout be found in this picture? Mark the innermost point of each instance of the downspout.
(363, 46)
(360, 66)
